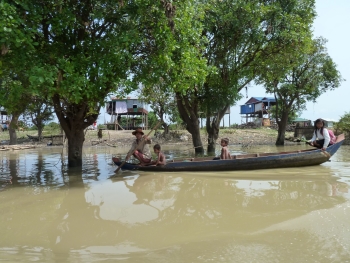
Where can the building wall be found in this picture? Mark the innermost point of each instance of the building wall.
(247, 109)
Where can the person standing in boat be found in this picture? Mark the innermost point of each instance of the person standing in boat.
(225, 154)
(320, 138)
(139, 148)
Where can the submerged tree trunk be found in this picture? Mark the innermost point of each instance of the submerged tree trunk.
(213, 128)
(188, 109)
(74, 120)
(193, 128)
(213, 135)
(12, 128)
(282, 124)
(75, 148)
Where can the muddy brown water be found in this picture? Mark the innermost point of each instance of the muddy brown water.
(50, 214)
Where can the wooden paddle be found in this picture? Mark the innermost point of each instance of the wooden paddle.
(127, 157)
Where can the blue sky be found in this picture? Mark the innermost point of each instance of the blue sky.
(332, 24)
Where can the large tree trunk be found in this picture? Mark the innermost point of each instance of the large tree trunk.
(188, 110)
(12, 128)
(193, 128)
(282, 124)
(40, 130)
(213, 128)
(75, 148)
(74, 119)
(213, 134)
(166, 128)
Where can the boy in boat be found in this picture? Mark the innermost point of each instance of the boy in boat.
(160, 156)
(225, 154)
(139, 148)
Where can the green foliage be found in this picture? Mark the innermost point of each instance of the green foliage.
(344, 123)
(83, 52)
(277, 114)
(33, 128)
(16, 45)
(171, 55)
(162, 102)
(306, 76)
(152, 119)
(52, 126)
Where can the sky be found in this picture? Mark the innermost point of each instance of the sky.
(332, 24)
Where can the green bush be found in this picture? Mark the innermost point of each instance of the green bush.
(344, 123)
(52, 126)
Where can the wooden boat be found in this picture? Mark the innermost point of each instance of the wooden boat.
(299, 158)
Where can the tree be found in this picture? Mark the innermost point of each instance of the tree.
(294, 113)
(14, 98)
(185, 69)
(40, 112)
(344, 123)
(84, 50)
(16, 44)
(241, 35)
(162, 103)
(305, 78)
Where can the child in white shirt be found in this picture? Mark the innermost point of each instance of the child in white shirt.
(320, 138)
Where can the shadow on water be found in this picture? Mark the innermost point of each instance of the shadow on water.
(52, 214)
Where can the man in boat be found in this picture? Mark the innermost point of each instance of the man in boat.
(139, 148)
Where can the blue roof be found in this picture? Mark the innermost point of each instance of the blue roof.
(269, 99)
(261, 99)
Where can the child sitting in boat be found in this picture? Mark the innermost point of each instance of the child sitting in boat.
(160, 156)
(321, 138)
(225, 154)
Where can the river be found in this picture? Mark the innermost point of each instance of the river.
(51, 214)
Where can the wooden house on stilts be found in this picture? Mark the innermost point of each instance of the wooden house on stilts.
(257, 110)
(133, 110)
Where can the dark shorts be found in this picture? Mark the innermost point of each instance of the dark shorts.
(321, 142)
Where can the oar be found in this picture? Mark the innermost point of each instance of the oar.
(127, 157)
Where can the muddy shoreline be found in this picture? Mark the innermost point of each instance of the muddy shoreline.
(244, 137)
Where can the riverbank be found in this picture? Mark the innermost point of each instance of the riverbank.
(244, 137)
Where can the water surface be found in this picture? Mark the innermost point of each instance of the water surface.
(51, 214)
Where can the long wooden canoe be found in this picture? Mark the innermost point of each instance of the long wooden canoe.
(300, 158)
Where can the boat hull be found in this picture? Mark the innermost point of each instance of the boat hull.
(245, 162)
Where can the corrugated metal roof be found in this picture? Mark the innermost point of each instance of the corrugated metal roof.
(300, 119)
(260, 99)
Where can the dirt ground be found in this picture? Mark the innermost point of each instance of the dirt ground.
(244, 137)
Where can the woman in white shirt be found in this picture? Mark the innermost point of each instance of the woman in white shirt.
(320, 138)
